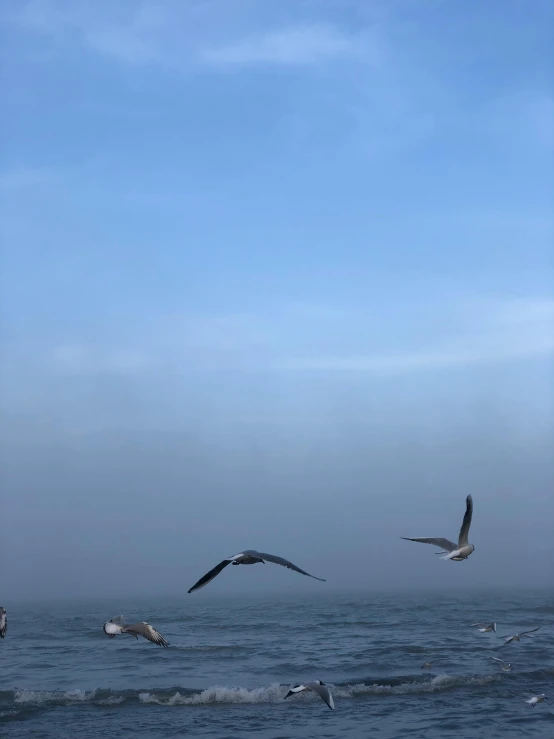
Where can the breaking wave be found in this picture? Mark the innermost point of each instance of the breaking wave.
(225, 694)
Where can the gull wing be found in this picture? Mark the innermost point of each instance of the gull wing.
(280, 561)
(496, 659)
(147, 631)
(480, 624)
(466, 523)
(324, 693)
(446, 544)
(209, 576)
(295, 689)
(530, 631)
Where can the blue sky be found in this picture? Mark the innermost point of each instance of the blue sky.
(277, 228)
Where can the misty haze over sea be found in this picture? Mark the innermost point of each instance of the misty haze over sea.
(276, 276)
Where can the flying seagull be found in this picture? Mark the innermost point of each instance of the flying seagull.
(506, 666)
(536, 699)
(3, 622)
(248, 557)
(115, 626)
(463, 548)
(486, 627)
(318, 687)
(517, 637)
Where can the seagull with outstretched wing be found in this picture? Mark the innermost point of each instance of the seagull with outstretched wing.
(248, 557)
(533, 700)
(116, 626)
(457, 552)
(506, 666)
(517, 637)
(318, 687)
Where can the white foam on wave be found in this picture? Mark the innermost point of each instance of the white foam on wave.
(440, 682)
(46, 696)
(274, 693)
(113, 700)
(220, 694)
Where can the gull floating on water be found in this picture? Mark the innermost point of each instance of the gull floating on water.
(248, 557)
(517, 637)
(486, 627)
(318, 687)
(463, 548)
(506, 666)
(3, 622)
(115, 626)
(536, 699)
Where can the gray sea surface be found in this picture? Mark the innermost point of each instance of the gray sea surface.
(232, 659)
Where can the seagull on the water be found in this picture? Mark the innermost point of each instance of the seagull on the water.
(536, 699)
(426, 665)
(3, 622)
(506, 666)
(115, 626)
(248, 557)
(460, 551)
(318, 687)
(486, 627)
(517, 637)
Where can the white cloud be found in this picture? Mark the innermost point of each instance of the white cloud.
(509, 330)
(290, 47)
(174, 34)
(495, 331)
(134, 34)
(22, 178)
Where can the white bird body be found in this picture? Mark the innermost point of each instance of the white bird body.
(318, 687)
(3, 622)
(536, 699)
(486, 627)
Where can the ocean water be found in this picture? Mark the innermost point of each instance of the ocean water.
(231, 661)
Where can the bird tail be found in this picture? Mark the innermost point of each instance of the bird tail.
(450, 555)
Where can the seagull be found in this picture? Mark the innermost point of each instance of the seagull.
(463, 548)
(318, 687)
(486, 627)
(248, 557)
(517, 637)
(426, 665)
(115, 626)
(536, 699)
(3, 622)
(506, 666)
